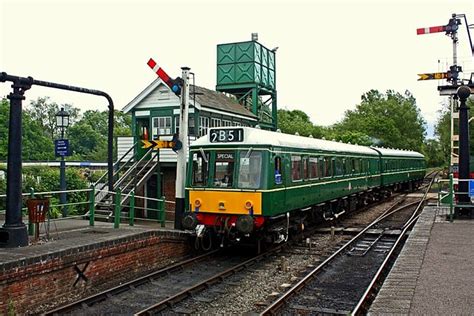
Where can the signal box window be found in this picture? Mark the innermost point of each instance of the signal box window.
(191, 129)
(161, 126)
(313, 168)
(203, 125)
(200, 169)
(250, 170)
(295, 168)
(224, 169)
(215, 122)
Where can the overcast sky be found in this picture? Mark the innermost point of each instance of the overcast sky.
(330, 52)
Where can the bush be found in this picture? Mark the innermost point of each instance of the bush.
(46, 179)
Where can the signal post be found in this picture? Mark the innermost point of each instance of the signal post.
(179, 144)
(456, 91)
(182, 154)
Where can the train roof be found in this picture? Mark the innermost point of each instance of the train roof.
(398, 152)
(255, 136)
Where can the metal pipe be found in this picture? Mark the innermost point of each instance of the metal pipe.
(14, 232)
(29, 80)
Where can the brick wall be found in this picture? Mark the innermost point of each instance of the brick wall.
(41, 283)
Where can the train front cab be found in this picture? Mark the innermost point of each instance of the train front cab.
(223, 188)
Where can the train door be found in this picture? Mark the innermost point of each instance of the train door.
(142, 132)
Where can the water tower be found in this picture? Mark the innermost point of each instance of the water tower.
(247, 71)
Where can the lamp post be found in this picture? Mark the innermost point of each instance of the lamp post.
(62, 122)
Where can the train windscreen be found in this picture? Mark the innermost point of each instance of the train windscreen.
(250, 170)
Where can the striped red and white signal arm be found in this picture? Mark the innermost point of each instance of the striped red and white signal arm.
(428, 30)
(160, 72)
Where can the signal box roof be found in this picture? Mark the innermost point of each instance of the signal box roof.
(204, 98)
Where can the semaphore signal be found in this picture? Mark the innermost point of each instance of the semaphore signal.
(428, 30)
(174, 84)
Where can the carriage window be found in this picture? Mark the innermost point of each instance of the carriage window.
(305, 168)
(356, 165)
(328, 167)
(313, 168)
(250, 169)
(295, 168)
(339, 166)
(278, 178)
(200, 169)
(224, 169)
(349, 166)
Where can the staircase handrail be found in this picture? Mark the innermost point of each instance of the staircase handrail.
(142, 178)
(132, 168)
(115, 164)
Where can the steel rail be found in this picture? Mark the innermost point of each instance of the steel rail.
(278, 304)
(411, 221)
(90, 300)
(203, 284)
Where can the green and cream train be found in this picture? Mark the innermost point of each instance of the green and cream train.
(248, 182)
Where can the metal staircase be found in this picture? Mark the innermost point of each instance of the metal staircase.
(130, 175)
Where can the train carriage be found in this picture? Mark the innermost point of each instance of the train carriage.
(400, 168)
(245, 181)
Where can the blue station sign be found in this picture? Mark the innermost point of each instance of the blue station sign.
(61, 147)
(471, 188)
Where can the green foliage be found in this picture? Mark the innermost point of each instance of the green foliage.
(11, 307)
(44, 113)
(36, 144)
(87, 135)
(354, 138)
(433, 153)
(45, 179)
(392, 118)
(86, 141)
(296, 121)
(443, 130)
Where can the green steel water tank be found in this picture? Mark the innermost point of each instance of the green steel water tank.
(245, 63)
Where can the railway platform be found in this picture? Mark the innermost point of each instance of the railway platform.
(433, 273)
(79, 260)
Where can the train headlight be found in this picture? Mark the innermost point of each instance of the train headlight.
(221, 206)
(197, 203)
(248, 204)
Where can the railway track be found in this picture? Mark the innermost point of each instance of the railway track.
(162, 291)
(345, 282)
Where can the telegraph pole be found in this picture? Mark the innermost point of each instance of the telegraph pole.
(182, 154)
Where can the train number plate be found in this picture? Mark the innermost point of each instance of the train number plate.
(226, 135)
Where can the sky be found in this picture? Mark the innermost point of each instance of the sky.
(329, 52)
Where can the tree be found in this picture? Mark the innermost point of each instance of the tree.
(443, 130)
(296, 121)
(433, 153)
(44, 113)
(36, 145)
(392, 118)
(89, 136)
